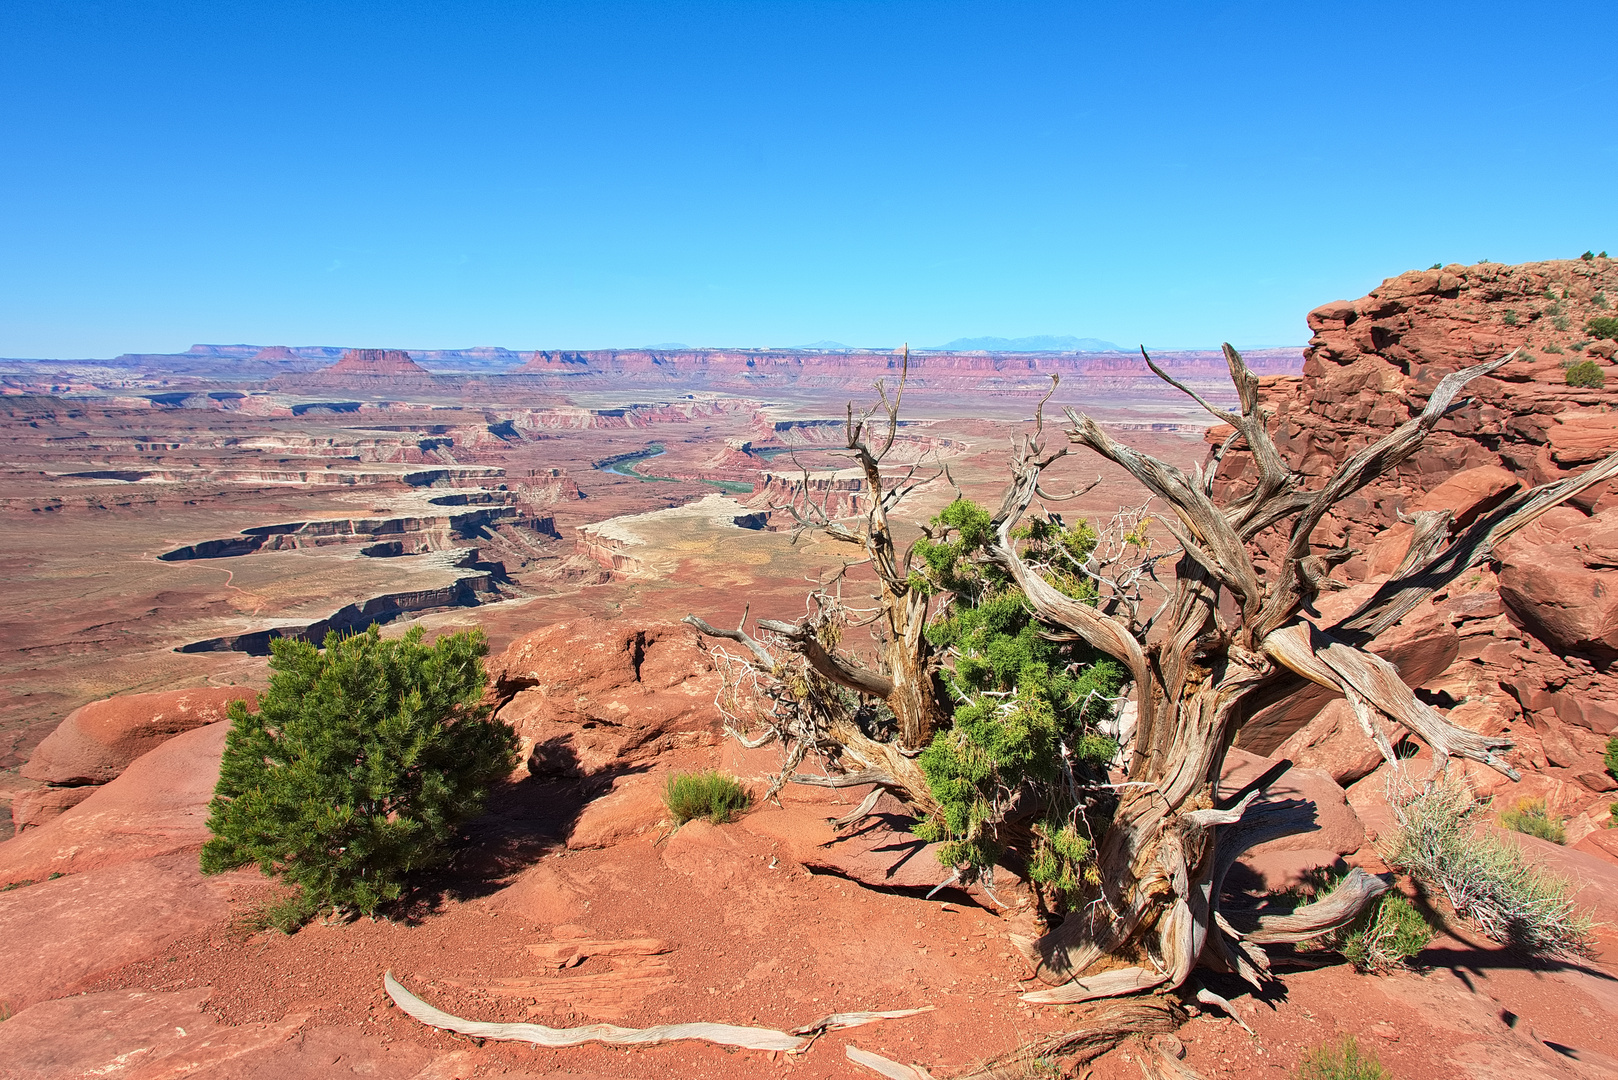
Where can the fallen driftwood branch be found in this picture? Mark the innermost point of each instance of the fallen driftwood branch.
(882, 1066)
(748, 1038)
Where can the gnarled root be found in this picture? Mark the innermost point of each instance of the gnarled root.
(1101, 1026)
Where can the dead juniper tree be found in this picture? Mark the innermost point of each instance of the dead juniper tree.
(1227, 641)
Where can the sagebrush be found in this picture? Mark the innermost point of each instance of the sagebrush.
(1483, 876)
(363, 759)
(711, 795)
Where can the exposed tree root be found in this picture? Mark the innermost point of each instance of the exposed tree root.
(748, 1038)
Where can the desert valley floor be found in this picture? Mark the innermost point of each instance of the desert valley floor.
(161, 519)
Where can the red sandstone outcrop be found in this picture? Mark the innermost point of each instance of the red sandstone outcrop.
(389, 363)
(360, 369)
(1522, 645)
(98, 741)
(157, 806)
(589, 696)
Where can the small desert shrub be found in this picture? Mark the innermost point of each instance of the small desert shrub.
(1483, 876)
(1561, 322)
(1532, 817)
(1610, 758)
(1382, 938)
(1342, 1060)
(1587, 375)
(361, 762)
(711, 795)
(1602, 326)
(1553, 348)
(1386, 935)
(1509, 318)
(1600, 300)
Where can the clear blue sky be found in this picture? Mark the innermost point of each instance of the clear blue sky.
(447, 174)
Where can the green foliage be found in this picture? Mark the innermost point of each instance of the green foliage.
(1482, 875)
(1341, 1060)
(1026, 709)
(1587, 375)
(1553, 348)
(711, 795)
(1531, 816)
(1602, 326)
(1599, 300)
(359, 765)
(1386, 935)
(1610, 757)
(1380, 939)
(1509, 318)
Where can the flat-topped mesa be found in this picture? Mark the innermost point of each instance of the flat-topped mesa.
(830, 370)
(391, 363)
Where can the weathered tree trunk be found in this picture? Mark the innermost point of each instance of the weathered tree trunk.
(1163, 859)
(1197, 676)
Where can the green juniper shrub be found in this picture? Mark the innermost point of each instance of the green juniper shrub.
(1610, 757)
(1386, 935)
(363, 759)
(1509, 318)
(1602, 326)
(1588, 256)
(1587, 375)
(1531, 817)
(1025, 709)
(1341, 1060)
(1382, 938)
(1612, 815)
(711, 795)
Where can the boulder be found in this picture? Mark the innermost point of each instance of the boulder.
(1337, 827)
(1334, 744)
(158, 806)
(589, 696)
(98, 741)
(882, 851)
(1471, 492)
(1566, 603)
(542, 894)
(715, 857)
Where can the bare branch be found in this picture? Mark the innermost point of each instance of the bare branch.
(753, 646)
(828, 663)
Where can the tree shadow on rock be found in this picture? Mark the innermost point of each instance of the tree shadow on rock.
(526, 818)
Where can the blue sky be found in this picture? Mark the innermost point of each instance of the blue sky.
(541, 175)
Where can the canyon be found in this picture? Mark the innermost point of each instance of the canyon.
(165, 516)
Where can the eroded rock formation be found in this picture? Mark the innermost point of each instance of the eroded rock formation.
(1526, 644)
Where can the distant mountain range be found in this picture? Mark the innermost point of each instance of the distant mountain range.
(1037, 343)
